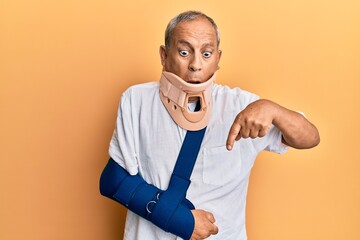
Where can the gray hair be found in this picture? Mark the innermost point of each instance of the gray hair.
(184, 17)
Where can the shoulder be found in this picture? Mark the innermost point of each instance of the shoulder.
(140, 91)
(142, 88)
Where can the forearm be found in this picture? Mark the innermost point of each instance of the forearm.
(297, 131)
(159, 207)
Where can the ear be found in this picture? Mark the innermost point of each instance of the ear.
(163, 55)
(220, 52)
(219, 57)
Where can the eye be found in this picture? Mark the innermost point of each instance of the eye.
(184, 53)
(207, 54)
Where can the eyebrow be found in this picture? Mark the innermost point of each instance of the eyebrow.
(182, 41)
(185, 43)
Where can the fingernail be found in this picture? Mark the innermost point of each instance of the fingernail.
(228, 147)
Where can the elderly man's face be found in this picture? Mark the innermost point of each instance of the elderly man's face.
(193, 54)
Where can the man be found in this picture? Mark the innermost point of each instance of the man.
(152, 124)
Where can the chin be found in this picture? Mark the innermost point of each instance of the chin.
(194, 80)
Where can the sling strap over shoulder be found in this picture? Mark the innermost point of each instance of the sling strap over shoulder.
(170, 199)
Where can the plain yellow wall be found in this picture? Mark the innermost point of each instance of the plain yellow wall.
(64, 64)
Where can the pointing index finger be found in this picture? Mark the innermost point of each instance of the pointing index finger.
(233, 135)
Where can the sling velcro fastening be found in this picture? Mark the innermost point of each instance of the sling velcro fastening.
(169, 210)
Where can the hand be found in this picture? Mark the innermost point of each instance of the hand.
(254, 121)
(204, 225)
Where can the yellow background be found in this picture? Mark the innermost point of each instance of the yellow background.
(64, 64)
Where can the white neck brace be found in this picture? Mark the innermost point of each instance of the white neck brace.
(175, 94)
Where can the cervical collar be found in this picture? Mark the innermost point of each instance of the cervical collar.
(175, 94)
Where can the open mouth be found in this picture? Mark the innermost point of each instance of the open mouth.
(193, 82)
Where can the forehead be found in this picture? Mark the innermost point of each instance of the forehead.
(195, 31)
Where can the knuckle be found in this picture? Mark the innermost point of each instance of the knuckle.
(205, 233)
(244, 133)
(238, 117)
(253, 135)
(234, 131)
(262, 133)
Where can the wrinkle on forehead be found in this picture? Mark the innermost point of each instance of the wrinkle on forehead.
(199, 31)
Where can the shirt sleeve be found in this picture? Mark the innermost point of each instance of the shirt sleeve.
(122, 144)
(274, 141)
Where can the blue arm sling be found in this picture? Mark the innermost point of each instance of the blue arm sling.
(169, 209)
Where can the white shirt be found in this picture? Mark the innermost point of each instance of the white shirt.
(147, 140)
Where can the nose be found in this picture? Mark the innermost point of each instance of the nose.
(195, 63)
